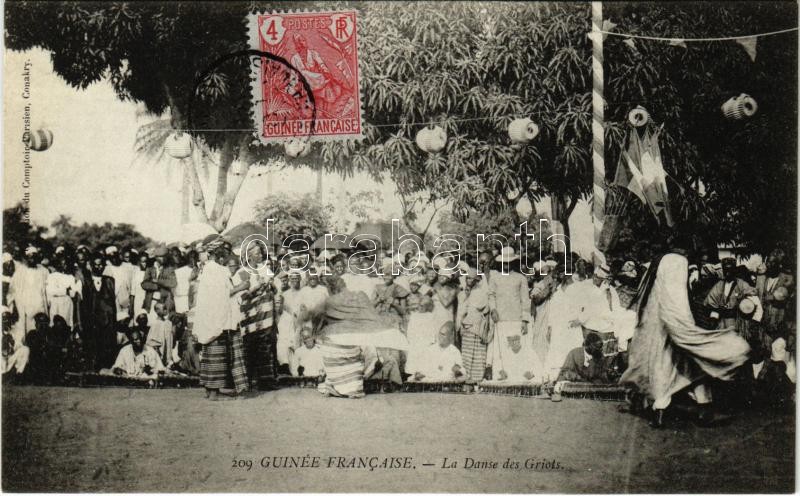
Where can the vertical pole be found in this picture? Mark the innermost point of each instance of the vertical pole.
(598, 138)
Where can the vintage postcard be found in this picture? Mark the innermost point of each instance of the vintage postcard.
(399, 247)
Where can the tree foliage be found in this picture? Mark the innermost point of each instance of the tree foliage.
(17, 230)
(293, 215)
(97, 235)
(735, 181)
(471, 67)
(505, 223)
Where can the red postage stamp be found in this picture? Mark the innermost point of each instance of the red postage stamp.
(313, 52)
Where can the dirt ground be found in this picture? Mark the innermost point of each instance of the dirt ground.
(114, 439)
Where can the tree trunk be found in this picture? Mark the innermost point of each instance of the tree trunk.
(186, 190)
(226, 197)
(225, 160)
(567, 214)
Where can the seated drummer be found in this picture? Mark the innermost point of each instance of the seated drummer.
(586, 364)
(136, 359)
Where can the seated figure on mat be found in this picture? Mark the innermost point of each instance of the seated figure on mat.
(136, 359)
(586, 364)
(439, 362)
(308, 358)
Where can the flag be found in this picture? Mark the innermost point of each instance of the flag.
(654, 179)
(628, 174)
(631, 43)
(749, 45)
(607, 27)
(678, 42)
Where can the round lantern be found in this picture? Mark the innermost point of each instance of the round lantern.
(431, 139)
(40, 140)
(297, 148)
(639, 116)
(524, 207)
(739, 107)
(522, 130)
(178, 145)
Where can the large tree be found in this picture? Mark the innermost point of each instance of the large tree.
(471, 68)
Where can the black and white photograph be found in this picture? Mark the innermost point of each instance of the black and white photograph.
(399, 247)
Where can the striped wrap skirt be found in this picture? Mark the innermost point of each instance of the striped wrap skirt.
(260, 357)
(473, 354)
(344, 370)
(223, 364)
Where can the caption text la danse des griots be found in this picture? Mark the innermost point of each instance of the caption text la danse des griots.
(384, 463)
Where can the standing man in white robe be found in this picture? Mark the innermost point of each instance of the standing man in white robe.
(669, 352)
(28, 293)
(510, 307)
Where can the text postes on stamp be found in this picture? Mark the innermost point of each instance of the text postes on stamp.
(322, 48)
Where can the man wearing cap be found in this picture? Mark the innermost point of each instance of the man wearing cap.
(27, 292)
(723, 299)
(473, 324)
(510, 308)
(216, 326)
(122, 276)
(159, 281)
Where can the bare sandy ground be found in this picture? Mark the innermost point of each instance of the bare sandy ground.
(69, 439)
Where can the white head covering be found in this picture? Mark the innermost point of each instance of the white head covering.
(111, 249)
(778, 350)
(30, 250)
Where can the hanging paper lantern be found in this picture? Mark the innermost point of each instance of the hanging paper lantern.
(431, 139)
(739, 107)
(178, 145)
(748, 105)
(639, 116)
(40, 140)
(524, 207)
(297, 148)
(522, 130)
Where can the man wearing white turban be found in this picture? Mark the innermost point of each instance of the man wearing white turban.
(27, 292)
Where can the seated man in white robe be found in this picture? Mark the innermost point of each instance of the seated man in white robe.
(439, 362)
(515, 362)
(308, 358)
(136, 359)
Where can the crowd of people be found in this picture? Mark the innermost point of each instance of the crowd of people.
(663, 325)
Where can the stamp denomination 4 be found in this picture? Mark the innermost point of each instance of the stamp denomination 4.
(322, 50)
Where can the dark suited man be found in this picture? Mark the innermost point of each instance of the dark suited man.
(99, 316)
(159, 282)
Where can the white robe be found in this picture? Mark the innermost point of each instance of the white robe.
(60, 289)
(308, 358)
(287, 333)
(214, 311)
(181, 292)
(27, 291)
(564, 307)
(435, 363)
